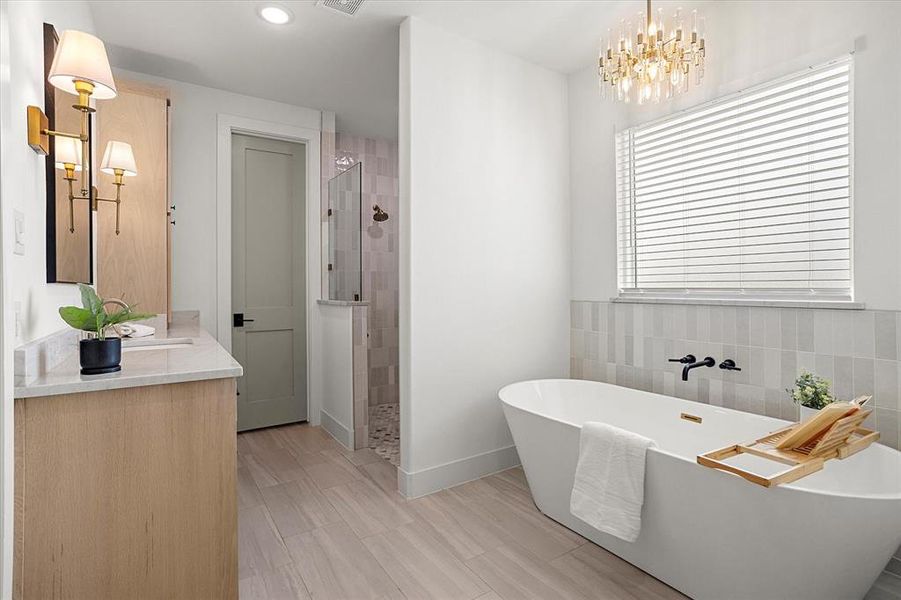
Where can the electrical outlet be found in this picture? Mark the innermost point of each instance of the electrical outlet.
(19, 232)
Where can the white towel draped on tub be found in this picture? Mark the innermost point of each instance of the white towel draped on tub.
(609, 487)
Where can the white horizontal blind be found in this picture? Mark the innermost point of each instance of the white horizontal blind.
(747, 195)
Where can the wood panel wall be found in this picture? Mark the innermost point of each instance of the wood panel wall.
(134, 265)
(127, 493)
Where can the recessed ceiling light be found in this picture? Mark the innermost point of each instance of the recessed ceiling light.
(275, 14)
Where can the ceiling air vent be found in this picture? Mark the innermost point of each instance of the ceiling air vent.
(345, 7)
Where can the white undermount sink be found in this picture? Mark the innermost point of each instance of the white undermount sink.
(150, 343)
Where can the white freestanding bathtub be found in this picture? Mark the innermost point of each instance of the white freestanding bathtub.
(710, 534)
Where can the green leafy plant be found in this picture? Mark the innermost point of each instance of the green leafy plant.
(93, 317)
(811, 391)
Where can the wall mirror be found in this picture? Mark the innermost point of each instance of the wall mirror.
(69, 222)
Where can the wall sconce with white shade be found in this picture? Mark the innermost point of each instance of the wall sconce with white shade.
(81, 67)
(68, 158)
(118, 161)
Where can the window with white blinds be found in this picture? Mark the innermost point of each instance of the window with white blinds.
(746, 196)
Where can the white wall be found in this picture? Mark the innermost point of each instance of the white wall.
(193, 180)
(484, 248)
(23, 169)
(22, 188)
(6, 355)
(750, 43)
(337, 371)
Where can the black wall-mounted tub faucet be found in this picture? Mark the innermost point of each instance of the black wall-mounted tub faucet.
(707, 362)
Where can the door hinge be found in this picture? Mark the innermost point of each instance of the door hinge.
(329, 212)
(330, 266)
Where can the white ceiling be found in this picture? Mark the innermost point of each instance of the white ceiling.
(330, 61)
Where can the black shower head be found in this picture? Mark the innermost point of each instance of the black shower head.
(379, 215)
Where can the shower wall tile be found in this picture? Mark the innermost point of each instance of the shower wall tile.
(630, 344)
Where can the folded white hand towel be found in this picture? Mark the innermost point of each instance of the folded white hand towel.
(609, 487)
(136, 330)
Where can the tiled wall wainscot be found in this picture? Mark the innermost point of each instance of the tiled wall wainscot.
(630, 344)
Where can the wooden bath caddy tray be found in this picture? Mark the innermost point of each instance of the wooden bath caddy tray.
(844, 438)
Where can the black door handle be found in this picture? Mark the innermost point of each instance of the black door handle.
(238, 320)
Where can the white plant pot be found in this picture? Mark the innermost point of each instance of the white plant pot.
(806, 412)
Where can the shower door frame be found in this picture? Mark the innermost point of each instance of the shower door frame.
(333, 266)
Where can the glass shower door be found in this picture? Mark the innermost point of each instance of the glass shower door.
(345, 276)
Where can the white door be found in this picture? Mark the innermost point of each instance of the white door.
(269, 280)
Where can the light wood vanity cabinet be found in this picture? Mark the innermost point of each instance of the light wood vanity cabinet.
(136, 263)
(127, 493)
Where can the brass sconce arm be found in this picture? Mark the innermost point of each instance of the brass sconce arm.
(117, 200)
(76, 136)
(39, 131)
(70, 178)
(39, 135)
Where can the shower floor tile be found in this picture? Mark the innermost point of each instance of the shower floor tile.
(384, 432)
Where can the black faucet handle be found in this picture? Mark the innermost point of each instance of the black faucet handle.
(729, 365)
(685, 360)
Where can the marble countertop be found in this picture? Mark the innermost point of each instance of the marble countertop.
(200, 359)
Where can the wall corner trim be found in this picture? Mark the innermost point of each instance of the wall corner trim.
(338, 431)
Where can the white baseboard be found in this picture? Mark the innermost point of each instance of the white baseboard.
(433, 479)
(341, 433)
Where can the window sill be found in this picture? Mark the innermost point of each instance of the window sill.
(767, 303)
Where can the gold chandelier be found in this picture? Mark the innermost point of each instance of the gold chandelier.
(656, 63)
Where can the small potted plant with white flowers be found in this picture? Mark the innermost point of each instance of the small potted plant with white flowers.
(811, 393)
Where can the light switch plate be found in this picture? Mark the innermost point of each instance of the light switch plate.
(19, 232)
(17, 311)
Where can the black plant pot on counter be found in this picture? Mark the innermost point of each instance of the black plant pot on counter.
(100, 356)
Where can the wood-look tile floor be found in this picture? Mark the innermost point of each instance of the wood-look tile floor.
(318, 521)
